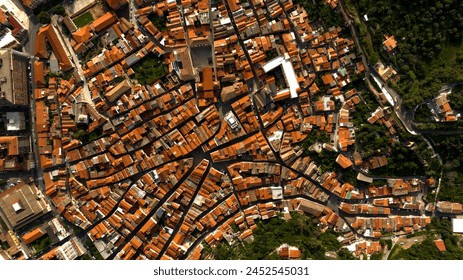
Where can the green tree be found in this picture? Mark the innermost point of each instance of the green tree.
(58, 10)
(44, 17)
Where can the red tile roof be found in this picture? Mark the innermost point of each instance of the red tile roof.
(48, 34)
(440, 245)
(103, 22)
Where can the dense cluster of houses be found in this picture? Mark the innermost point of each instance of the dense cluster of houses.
(156, 171)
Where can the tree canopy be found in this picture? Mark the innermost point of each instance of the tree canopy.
(301, 231)
(44, 17)
(425, 31)
(427, 250)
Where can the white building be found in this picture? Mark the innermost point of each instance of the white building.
(457, 225)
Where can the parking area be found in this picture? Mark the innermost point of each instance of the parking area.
(406, 243)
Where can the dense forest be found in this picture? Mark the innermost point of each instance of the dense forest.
(450, 148)
(429, 34)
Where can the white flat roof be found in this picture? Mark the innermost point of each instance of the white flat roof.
(291, 78)
(457, 225)
(288, 71)
(17, 206)
(16, 121)
(386, 93)
(225, 21)
(7, 39)
(273, 63)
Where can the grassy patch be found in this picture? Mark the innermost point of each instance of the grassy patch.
(83, 19)
(395, 251)
(364, 36)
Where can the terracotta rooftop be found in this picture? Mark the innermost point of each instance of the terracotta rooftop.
(103, 22)
(343, 161)
(440, 245)
(390, 43)
(48, 34)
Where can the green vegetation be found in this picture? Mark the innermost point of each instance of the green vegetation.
(61, 75)
(149, 70)
(422, 150)
(429, 37)
(326, 160)
(427, 250)
(456, 98)
(446, 68)
(119, 79)
(349, 175)
(41, 244)
(452, 187)
(344, 254)
(315, 136)
(85, 257)
(271, 54)
(423, 114)
(300, 231)
(401, 162)
(366, 42)
(385, 242)
(319, 10)
(376, 256)
(450, 148)
(372, 139)
(83, 19)
(83, 135)
(44, 17)
(159, 23)
(93, 249)
(58, 10)
(4, 245)
(91, 53)
(2, 225)
(77, 230)
(46, 6)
